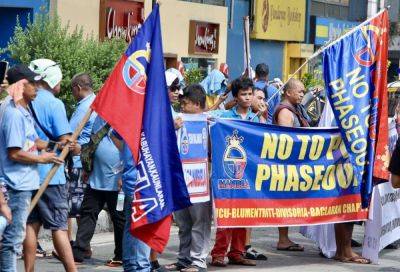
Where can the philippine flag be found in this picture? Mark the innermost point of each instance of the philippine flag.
(134, 101)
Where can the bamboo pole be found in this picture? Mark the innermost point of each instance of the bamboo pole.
(246, 31)
(62, 156)
(326, 46)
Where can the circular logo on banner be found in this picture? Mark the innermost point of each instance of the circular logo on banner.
(134, 71)
(235, 158)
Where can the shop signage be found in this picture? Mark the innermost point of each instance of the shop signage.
(279, 20)
(120, 18)
(327, 29)
(203, 37)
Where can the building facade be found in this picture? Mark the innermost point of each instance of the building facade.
(277, 35)
(24, 10)
(194, 32)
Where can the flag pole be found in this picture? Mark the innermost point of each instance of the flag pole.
(62, 156)
(327, 45)
(246, 31)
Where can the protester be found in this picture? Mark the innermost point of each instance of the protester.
(135, 253)
(194, 222)
(214, 85)
(174, 89)
(52, 208)
(259, 106)
(242, 91)
(19, 145)
(394, 166)
(174, 82)
(103, 188)
(272, 95)
(82, 90)
(287, 114)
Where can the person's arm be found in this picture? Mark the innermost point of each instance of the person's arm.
(4, 209)
(18, 155)
(285, 118)
(178, 122)
(74, 147)
(230, 104)
(220, 100)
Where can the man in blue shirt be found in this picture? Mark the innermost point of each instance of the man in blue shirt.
(104, 186)
(82, 90)
(272, 94)
(242, 91)
(19, 145)
(52, 208)
(135, 253)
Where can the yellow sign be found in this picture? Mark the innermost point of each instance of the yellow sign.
(279, 20)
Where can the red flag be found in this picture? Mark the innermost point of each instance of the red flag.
(134, 101)
(117, 100)
(381, 163)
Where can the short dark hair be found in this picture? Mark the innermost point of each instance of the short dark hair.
(262, 70)
(241, 84)
(196, 94)
(84, 80)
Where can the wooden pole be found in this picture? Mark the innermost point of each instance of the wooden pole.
(231, 12)
(246, 31)
(62, 156)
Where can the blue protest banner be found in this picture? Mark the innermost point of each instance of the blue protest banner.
(264, 175)
(193, 150)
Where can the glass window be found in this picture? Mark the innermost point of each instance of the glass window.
(204, 64)
(209, 2)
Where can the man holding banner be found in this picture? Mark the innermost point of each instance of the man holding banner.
(287, 114)
(283, 176)
(194, 222)
(242, 91)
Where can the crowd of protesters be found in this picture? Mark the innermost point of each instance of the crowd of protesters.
(34, 128)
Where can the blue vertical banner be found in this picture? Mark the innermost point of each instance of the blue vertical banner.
(355, 73)
(193, 150)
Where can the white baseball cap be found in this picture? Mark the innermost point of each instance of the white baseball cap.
(170, 78)
(48, 69)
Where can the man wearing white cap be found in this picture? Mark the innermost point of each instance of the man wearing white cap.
(51, 211)
(174, 82)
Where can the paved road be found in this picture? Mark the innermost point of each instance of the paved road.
(264, 239)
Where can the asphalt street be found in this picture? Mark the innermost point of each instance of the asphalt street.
(264, 240)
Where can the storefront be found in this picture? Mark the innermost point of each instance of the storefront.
(275, 23)
(194, 34)
(103, 18)
(323, 30)
(283, 21)
(10, 10)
